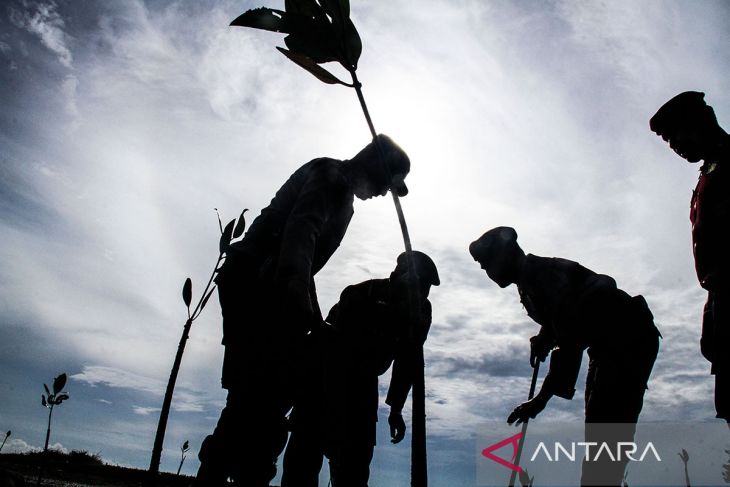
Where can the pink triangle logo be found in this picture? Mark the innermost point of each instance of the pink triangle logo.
(514, 441)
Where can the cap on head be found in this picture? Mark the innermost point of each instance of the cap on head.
(494, 241)
(397, 164)
(682, 110)
(425, 268)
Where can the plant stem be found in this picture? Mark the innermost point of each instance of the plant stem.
(419, 464)
(167, 401)
(48, 431)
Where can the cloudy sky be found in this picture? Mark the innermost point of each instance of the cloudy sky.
(124, 124)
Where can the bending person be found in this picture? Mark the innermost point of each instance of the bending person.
(578, 309)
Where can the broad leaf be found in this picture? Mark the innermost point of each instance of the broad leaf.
(338, 10)
(8, 433)
(315, 69)
(263, 18)
(187, 292)
(186, 445)
(61, 398)
(225, 240)
(43, 400)
(58, 383)
(308, 8)
(46, 388)
(353, 45)
(240, 226)
(319, 44)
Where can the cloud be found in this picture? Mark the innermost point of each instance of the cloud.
(43, 20)
(186, 400)
(144, 411)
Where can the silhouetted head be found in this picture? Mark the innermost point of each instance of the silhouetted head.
(381, 166)
(426, 273)
(499, 254)
(689, 125)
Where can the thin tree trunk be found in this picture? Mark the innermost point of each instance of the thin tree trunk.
(162, 424)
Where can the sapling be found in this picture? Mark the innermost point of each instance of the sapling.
(51, 400)
(321, 31)
(685, 459)
(183, 450)
(232, 231)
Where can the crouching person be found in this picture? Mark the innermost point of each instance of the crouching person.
(376, 323)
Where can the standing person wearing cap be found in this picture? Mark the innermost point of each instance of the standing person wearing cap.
(269, 303)
(579, 309)
(690, 127)
(337, 409)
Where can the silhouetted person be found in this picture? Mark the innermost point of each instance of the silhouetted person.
(690, 127)
(337, 408)
(269, 303)
(577, 310)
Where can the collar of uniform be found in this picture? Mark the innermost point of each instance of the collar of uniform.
(708, 167)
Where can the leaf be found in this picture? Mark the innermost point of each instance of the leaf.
(8, 433)
(43, 400)
(240, 226)
(46, 388)
(307, 63)
(308, 8)
(338, 10)
(353, 45)
(205, 300)
(263, 18)
(186, 445)
(524, 478)
(187, 292)
(58, 383)
(225, 240)
(61, 398)
(318, 42)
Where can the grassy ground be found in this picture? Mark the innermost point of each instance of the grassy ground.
(75, 469)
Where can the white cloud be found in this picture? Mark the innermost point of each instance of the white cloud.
(186, 400)
(43, 20)
(144, 411)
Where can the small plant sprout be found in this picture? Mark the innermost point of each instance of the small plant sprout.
(231, 232)
(525, 479)
(7, 435)
(51, 400)
(183, 450)
(685, 458)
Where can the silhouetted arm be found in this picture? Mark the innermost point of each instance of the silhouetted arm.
(401, 378)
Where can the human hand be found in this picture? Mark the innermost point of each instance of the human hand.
(539, 350)
(527, 410)
(397, 427)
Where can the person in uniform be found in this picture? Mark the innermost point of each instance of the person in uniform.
(269, 303)
(690, 127)
(376, 323)
(579, 309)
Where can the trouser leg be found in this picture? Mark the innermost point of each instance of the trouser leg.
(302, 459)
(350, 465)
(716, 337)
(614, 398)
(250, 435)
